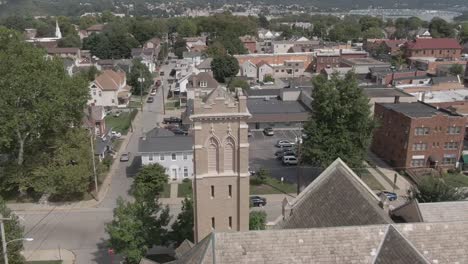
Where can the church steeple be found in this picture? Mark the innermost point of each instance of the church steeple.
(58, 34)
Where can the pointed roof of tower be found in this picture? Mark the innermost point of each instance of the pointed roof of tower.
(396, 249)
(58, 33)
(218, 93)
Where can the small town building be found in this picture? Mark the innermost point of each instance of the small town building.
(110, 89)
(442, 48)
(173, 152)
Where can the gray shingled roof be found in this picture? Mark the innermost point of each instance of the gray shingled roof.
(384, 92)
(417, 109)
(444, 211)
(444, 242)
(396, 249)
(163, 140)
(336, 198)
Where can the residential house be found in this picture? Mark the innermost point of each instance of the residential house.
(249, 70)
(264, 69)
(94, 119)
(146, 56)
(324, 60)
(412, 135)
(196, 43)
(305, 58)
(441, 48)
(289, 69)
(154, 44)
(173, 152)
(205, 65)
(72, 53)
(193, 57)
(98, 28)
(362, 66)
(250, 43)
(423, 33)
(110, 89)
(202, 83)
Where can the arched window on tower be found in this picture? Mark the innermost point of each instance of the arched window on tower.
(229, 155)
(213, 156)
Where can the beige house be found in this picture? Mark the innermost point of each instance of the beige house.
(110, 89)
(221, 157)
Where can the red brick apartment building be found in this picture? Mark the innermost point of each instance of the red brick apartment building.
(444, 48)
(411, 135)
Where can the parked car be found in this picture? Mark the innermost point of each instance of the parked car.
(125, 157)
(150, 100)
(284, 144)
(252, 171)
(153, 92)
(268, 131)
(179, 131)
(290, 160)
(286, 153)
(257, 201)
(391, 196)
(281, 151)
(117, 113)
(116, 134)
(171, 120)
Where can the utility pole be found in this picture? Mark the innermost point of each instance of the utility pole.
(299, 160)
(4, 243)
(141, 80)
(94, 163)
(163, 97)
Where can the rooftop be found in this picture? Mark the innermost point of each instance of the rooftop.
(444, 211)
(275, 110)
(434, 43)
(384, 92)
(365, 61)
(163, 140)
(417, 109)
(444, 96)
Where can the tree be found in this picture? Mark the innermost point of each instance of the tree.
(373, 32)
(464, 33)
(37, 97)
(432, 190)
(319, 30)
(236, 82)
(180, 46)
(440, 28)
(341, 124)
(263, 21)
(149, 182)
(114, 43)
(257, 220)
(216, 49)
(70, 41)
(224, 67)
(268, 78)
(136, 227)
(456, 69)
(368, 22)
(13, 230)
(182, 228)
(187, 28)
(68, 173)
(139, 70)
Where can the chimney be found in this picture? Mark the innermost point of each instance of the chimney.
(384, 203)
(286, 209)
(397, 99)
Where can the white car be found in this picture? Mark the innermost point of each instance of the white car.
(116, 134)
(153, 92)
(290, 160)
(284, 144)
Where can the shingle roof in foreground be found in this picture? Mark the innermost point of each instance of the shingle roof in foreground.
(336, 198)
(435, 242)
(444, 211)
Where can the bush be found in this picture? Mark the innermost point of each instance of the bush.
(268, 78)
(107, 161)
(186, 180)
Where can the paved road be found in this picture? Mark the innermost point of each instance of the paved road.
(83, 230)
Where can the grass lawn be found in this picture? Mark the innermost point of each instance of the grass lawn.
(116, 144)
(45, 262)
(122, 123)
(172, 105)
(272, 186)
(166, 193)
(369, 179)
(456, 180)
(184, 189)
(134, 104)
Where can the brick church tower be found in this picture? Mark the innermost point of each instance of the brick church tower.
(221, 156)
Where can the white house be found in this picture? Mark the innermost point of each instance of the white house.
(174, 153)
(146, 56)
(110, 89)
(248, 69)
(264, 69)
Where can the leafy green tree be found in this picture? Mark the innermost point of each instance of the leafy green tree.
(149, 182)
(180, 46)
(464, 33)
(114, 43)
(257, 220)
(37, 97)
(187, 28)
(224, 67)
(319, 30)
(236, 82)
(70, 41)
(139, 70)
(268, 78)
(456, 69)
(136, 227)
(373, 32)
(68, 173)
(216, 49)
(263, 21)
(341, 124)
(13, 230)
(440, 28)
(87, 21)
(432, 190)
(368, 22)
(182, 228)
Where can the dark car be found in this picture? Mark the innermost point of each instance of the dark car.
(171, 120)
(150, 100)
(390, 195)
(179, 131)
(281, 151)
(257, 201)
(286, 153)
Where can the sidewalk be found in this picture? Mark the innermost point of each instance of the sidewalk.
(65, 255)
(402, 183)
(104, 188)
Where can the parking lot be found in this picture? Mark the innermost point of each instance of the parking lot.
(262, 155)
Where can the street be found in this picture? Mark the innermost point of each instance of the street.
(83, 230)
